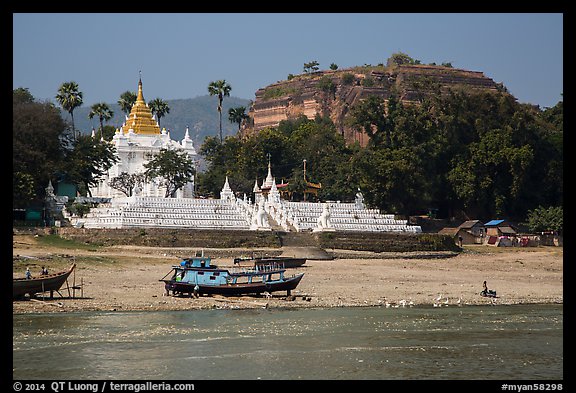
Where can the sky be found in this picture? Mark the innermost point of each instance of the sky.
(179, 54)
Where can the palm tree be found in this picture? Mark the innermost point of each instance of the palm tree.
(237, 115)
(104, 113)
(221, 89)
(126, 101)
(70, 98)
(159, 107)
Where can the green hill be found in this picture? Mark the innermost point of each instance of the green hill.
(200, 114)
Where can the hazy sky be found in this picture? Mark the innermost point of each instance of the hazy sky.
(180, 54)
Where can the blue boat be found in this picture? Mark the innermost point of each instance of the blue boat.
(198, 276)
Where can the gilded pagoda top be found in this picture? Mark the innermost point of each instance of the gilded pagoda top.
(140, 119)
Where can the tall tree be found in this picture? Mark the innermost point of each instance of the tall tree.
(88, 161)
(126, 101)
(40, 138)
(70, 98)
(173, 168)
(221, 89)
(159, 107)
(104, 113)
(311, 67)
(125, 182)
(371, 116)
(237, 115)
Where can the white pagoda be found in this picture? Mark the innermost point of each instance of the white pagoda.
(136, 141)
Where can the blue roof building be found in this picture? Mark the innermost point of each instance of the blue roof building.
(494, 223)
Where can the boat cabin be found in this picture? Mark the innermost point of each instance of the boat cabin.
(199, 261)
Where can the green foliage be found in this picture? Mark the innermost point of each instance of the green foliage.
(221, 89)
(333, 66)
(548, 219)
(400, 58)
(40, 139)
(88, 161)
(327, 85)
(108, 132)
(279, 91)
(370, 117)
(78, 209)
(126, 101)
(172, 168)
(311, 67)
(237, 115)
(554, 116)
(22, 189)
(58, 241)
(347, 79)
(368, 81)
(22, 95)
(103, 112)
(126, 182)
(70, 98)
(159, 107)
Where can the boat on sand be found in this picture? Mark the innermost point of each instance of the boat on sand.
(197, 276)
(44, 283)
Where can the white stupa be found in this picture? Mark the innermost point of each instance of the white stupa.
(137, 139)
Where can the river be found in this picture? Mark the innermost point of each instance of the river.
(520, 342)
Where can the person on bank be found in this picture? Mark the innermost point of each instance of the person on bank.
(487, 292)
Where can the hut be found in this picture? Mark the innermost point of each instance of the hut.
(500, 228)
(471, 232)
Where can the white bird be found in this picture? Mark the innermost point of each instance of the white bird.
(410, 303)
(446, 302)
(403, 303)
(439, 298)
(459, 301)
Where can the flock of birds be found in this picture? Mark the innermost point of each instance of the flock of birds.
(440, 301)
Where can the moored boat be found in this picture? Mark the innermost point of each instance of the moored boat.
(283, 261)
(190, 277)
(45, 283)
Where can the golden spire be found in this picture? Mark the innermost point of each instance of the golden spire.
(140, 118)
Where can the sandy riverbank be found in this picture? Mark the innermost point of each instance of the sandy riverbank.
(124, 278)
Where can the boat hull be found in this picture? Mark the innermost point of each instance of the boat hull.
(287, 284)
(51, 283)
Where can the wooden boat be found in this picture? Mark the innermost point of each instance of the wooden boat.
(282, 261)
(50, 282)
(189, 277)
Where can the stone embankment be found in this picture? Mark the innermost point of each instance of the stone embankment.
(343, 243)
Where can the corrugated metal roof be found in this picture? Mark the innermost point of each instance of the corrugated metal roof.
(494, 222)
(469, 224)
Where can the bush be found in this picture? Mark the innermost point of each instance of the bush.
(347, 79)
(78, 209)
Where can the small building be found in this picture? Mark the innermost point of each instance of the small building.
(471, 232)
(474, 227)
(500, 228)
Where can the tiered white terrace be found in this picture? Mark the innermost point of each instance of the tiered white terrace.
(138, 211)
